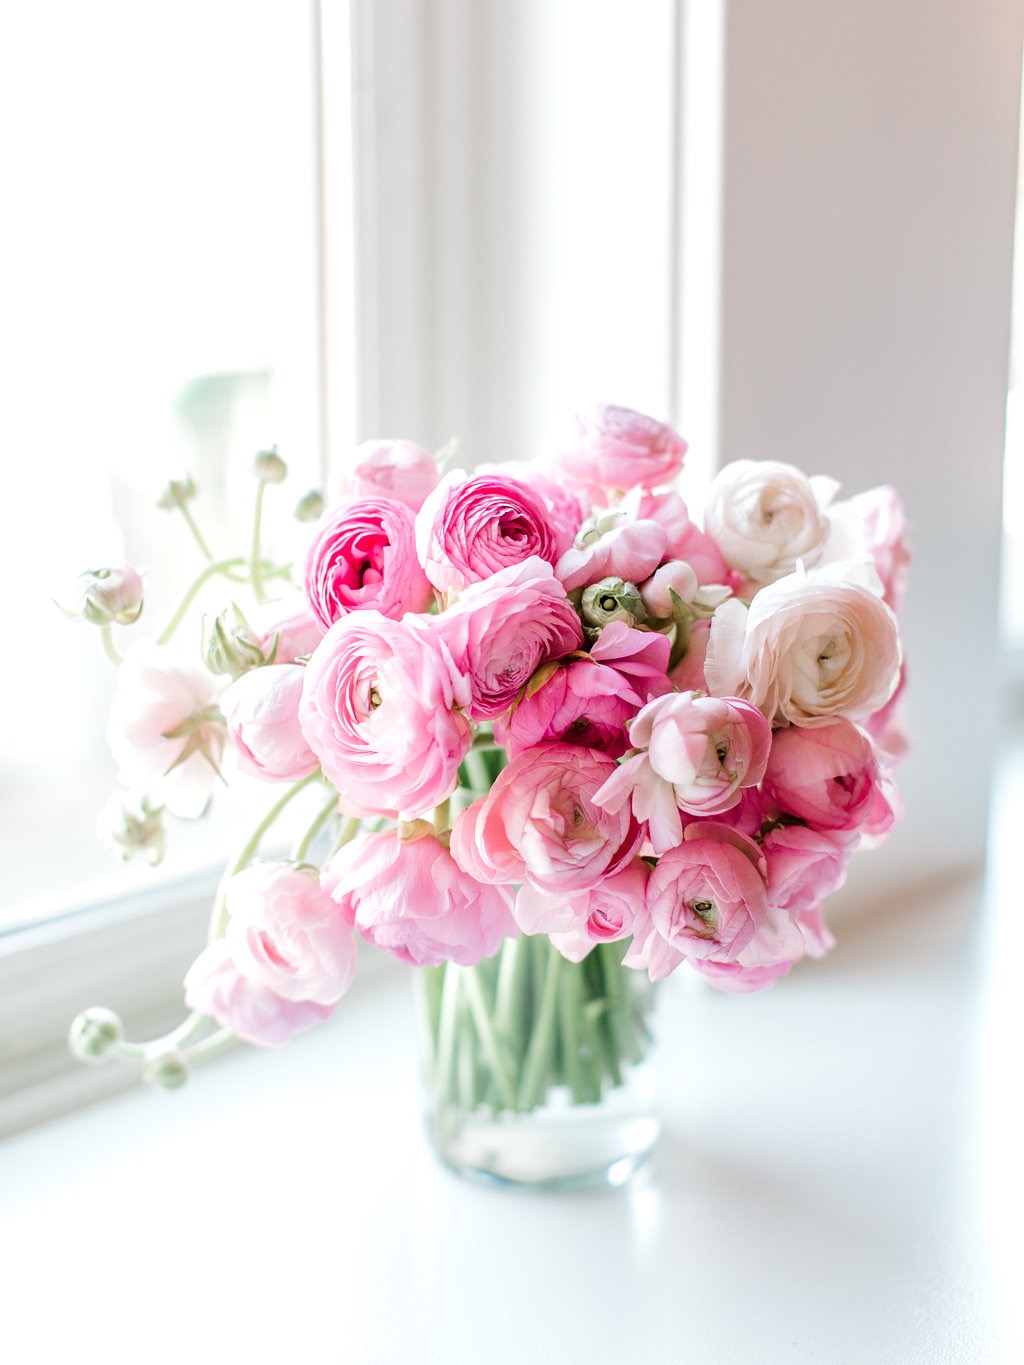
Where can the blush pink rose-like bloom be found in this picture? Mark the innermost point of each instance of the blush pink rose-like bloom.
(401, 470)
(591, 700)
(286, 958)
(804, 866)
(381, 708)
(410, 897)
(697, 753)
(707, 896)
(605, 913)
(811, 647)
(829, 777)
(764, 516)
(261, 709)
(363, 555)
(686, 540)
(539, 823)
(615, 449)
(612, 545)
(165, 729)
(470, 528)
(873, 521)
(501, 629)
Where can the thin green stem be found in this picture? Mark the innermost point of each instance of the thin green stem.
(222, 566)
(538, 1055)
(194, 528)
(254, 553)
(327, 810)
(350, 827)
(109, 648)
(492, 1048)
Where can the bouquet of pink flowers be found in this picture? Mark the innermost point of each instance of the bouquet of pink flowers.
(536, 699)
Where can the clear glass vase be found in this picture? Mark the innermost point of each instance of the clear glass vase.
(537, 1068)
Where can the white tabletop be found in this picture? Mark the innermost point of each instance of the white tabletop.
(838, 1181)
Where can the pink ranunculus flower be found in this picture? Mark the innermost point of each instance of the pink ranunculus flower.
(287, 631)
(539, 823)
(286, 958)
(363, 555)
(706, 896)
(382, 708)
(686, 540)
(697, 753)
(765, 516)
(615, 449)
(873, 521)
(501, 629)
(470, 527)
(410, 897)
(675, 579)
(811, 647)
(261, 709)
(612, 545)
(736, 979)
(590, 700)
(401, 470)
(165, 730)
(605, 913)
(829, 777)
(805, 865)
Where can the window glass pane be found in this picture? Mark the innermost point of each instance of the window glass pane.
(159, 277)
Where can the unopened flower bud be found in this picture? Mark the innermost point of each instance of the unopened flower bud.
(111, 594)
(230, 646)
(127, 827)
(669, 590)
(177, 492)
(310, 506)
(612, 600)
(94, 1034)
(270, 467)
(168, 1069)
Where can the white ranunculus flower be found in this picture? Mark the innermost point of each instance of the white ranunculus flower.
(814, 645)
(766, 516)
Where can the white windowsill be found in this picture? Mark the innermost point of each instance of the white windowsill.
(838, 1181)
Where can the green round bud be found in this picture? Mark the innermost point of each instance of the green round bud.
(176, 492)
(310, 506)
(270, 467)
(168, 1069)
(95, 1034)
(612, 600)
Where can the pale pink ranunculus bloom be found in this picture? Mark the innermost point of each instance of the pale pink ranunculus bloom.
(707, 896)
(675, 579)
(810, 647)
(286, 958)
(604, 913)
(381, 708)
(539, 823)
(363, 555)
(765, 516)
(805, 865)
(612, 545)
(165, 730)
(261, 710)
(686, 540)
(286, 631)
(410, 897)
(501, 629)
(696, 754)
(591, 700)
(873, 521)
(614, 449)
(470, 527)
(829, 777)
(401, 470)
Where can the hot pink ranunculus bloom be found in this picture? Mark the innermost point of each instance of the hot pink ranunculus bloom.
(829, 777)
(603, 914)
(261, 709)
(286, 958)
(401, 470)
(686, 540)
(707, 897)
(165, 730)
(539, 823)
(591, 701)
(363, 555)
(615, 449)
(470, 527)
(411, 898)
(696, 754)
(811, 646)
(382, 708)
(501, 629)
